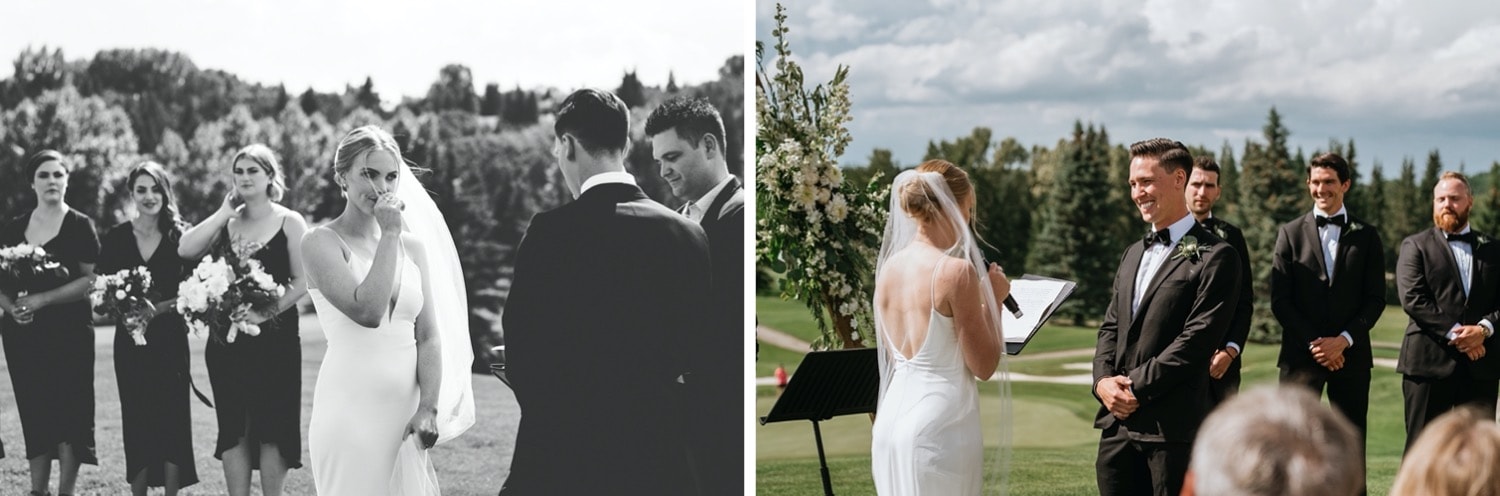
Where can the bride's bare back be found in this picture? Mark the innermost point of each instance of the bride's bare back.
(921, 279)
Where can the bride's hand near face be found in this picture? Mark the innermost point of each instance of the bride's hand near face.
(388, 213)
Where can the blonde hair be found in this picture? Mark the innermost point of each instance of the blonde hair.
(1455, 455)
(922, 204)
(266, 159)
(360, 141)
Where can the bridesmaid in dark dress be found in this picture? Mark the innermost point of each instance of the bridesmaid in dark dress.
(257, 380)
(48, 336)
(154, 380)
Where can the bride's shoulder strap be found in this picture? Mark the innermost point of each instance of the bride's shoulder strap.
(336, 237)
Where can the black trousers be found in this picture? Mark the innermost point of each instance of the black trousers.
(1427, 398)
(1128, 467)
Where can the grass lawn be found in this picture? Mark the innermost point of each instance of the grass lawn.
(1055, 443)
(474, 464)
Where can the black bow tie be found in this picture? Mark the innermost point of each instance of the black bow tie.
(1163, 236)
(1468, 237)
(1337, 220)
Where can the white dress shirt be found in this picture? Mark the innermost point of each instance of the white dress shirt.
(620, 177)
(1329, 236)
(695, 210)
(1463, 257)
(1153, 257)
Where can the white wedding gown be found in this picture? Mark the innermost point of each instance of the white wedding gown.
(927, 438)
(366, 393)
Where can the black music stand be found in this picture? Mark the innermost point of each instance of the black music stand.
(828, 384)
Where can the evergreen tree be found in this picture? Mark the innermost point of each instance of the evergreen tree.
(671, 82)
(282, 98)
(1406, 210)
(309, 102)
(367, 96)
(631, 91)
(490, 105)
(1073, 238)
(1279, 194)
(1486, 214)
(1374, 211)
(1431, 173)
(1229, 192)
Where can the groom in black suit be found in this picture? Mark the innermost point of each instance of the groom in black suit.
(607, 291)
(1173, 299)
(1449, 281)
(1327, 291)
(687, 141)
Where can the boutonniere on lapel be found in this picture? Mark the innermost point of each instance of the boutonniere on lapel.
(1219, 231)
(1189, 248)
(1355, 226)
(1480, 240)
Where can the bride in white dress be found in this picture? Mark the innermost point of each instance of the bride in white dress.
(390, 299)
(938, 328)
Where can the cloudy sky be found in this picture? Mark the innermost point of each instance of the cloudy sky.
(1400, 77)
(402, 46)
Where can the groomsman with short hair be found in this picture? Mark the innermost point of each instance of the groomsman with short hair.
(1202, 193)
(1174, 295)
(688, 143)
(1327, 291)
(1448, 278)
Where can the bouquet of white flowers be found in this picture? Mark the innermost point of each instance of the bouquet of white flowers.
(123, 295)
(221, 293)
(26, 265)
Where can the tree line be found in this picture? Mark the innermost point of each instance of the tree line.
(1065, 211)
(487, 157)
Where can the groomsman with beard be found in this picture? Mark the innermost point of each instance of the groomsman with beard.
(607, 290)
(1202, 193)
(688, 143)
(1448, 278)
(1327, 291)
(1174, 296)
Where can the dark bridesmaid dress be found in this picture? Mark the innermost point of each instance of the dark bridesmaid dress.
(257, 380)
(154, 378)
(51, 359)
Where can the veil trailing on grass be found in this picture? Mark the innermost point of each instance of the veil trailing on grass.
(901, 231)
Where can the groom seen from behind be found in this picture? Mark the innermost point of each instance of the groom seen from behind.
(607, 290)
(687, 141)
(1173, 298)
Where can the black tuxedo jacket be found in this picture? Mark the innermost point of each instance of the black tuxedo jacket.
(607, 289)
(1239, 326)
(1310, 306)
(1432, 295)
(724, 221)
(1166, 345)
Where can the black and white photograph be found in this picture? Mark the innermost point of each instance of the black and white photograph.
(345, 248)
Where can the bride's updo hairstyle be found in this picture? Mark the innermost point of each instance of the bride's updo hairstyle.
(921, 203)
(360, 141)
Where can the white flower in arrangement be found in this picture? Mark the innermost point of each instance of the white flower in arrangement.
(838, 209)
(120, 294)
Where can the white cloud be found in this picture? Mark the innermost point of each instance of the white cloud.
(1383, 72)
